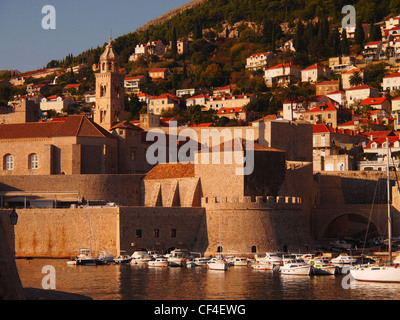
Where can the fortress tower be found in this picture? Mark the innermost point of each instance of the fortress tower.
(109, 90)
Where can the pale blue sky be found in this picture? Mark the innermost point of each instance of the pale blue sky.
(80, 25)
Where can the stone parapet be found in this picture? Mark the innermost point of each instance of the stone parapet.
(252, 202)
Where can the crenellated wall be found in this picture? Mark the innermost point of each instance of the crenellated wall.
(258, 224)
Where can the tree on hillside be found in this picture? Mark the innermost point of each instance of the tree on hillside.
(375, 33)
(359, 34)
(298, 38)
(356, 79)
(344, 44)
(174, 46)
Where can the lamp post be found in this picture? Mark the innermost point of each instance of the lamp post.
(14, 217)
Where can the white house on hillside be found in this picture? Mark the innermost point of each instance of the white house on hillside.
(391, 82)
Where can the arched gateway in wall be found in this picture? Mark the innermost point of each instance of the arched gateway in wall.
(350, 220)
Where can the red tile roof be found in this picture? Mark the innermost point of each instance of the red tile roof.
(259, 54)
(76, 125)
(284, 65)
(353, 70)
(71, 86)
(323, 107)
(361, 87)
(230, 110)
(381, 140)
(393, 75)
(372, 101)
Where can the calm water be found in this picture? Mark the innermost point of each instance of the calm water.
(115, 282)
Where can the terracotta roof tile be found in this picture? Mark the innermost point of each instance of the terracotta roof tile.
(170, 171)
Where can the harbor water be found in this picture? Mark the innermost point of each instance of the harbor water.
(127, 282)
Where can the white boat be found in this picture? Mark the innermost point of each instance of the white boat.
(264, 266)
(270, 258)
(84, 258)
(343, 260)
(140, 256)
(160, 262)
(295, 267)
(177, 257)
(321, 267)
(340, 244)
(104, 257)
(377, 273)
(218, 263)
(123, 258)
(240, 262)
(196, 262)
(307, 257)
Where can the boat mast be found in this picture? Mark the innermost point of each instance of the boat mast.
(388, 202)
(219, 222)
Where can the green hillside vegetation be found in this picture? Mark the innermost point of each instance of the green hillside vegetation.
(215, 61)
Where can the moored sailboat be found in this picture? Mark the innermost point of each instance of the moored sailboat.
(377, 273)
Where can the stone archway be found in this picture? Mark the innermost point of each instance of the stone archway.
(351, 225)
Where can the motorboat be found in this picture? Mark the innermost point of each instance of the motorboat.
(270, 258)
(123, 258)
(343, 260)
(84, 258)
(240, 262)
(218, 263)
(197, 262)
(264, 266)
(340, 244)
(294, 266)
(160, 262)
(104, 257)
(321, 267)
(177, 257)
(140, 256)
(307, 257)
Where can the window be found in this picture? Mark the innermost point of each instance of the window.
(8, 163)
(156, 233)
(133, 154)
(173, 233)
(33, 161)
(138, 233)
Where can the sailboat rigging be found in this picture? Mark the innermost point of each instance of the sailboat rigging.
(218, 263)
(377, 273)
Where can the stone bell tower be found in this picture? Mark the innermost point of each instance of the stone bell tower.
(109, 90)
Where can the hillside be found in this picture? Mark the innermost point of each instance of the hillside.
(222, 34)
(169, 15)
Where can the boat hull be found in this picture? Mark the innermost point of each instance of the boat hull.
(86, 262)
(324, 270)
(376, 274)
(263, 266)
(218, 266)
(300, 271)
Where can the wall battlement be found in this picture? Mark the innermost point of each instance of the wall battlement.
(252, 202)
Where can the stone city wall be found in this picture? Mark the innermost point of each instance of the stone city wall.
(256, 225)
(122, 189)
(60, 233)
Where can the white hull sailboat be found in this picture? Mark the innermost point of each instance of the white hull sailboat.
(218, 263)
(377, 273)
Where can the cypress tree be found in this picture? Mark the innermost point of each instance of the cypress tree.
(344, 44)
(359, 34)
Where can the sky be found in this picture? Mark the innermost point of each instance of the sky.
(79, 25)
